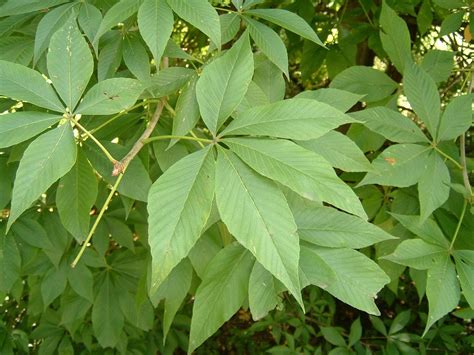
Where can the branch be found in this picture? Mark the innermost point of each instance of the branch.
(120, 166)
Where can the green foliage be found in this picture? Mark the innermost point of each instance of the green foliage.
(165, 179)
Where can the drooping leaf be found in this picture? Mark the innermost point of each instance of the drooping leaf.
(135, 57)
(257, 215)
(422, 93)
(391, 124)
(395, 38)
(110, 96)
(119, 12)
(300, 119)
(269, 42)
(10, 261)
(327, 227)
(224, 82)
(288, 20)
(456, 119)
(465, 268)
(89, 19)
(301, 170)
(221, 293)
(20, 126)
(374, 84)
(81, 280)
(442, 290)
(340, 99)
(25, 84)
(155, 21)
(201, 15)
(434, 185)
(47, 158)
(179, 205)
(263, 291)
(107, 318)
(53, 284)
(70, 63)
(75, 196)
(399, 165)
(339, 150)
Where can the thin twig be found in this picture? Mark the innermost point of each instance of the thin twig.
(462, 150)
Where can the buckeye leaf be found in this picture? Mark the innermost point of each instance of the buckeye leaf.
(25, 84)
(269, 43)
(303, 171)
(70, 63)
(256, 213)
(417, 254)
(428, 230)
(300, 119)
(339, 150)
(201, 15)
(20, 126)
(47, 158)
(399, 165)
(10, 261)
(395, 38)
(340, 99)
(155, 21)
(422, 93)
(179, 204)
(224, 82)
(221, 293)
(434, 185)
(358, 279)
(313, 269)
(288, 20)
(107, 318)
(328, 227)
(442, 290)
(110, 96)
(263, 291)
(456, 119)
(465, 268)
(391, 124)
(75, 196)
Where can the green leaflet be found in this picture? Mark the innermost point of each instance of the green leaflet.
(25, 84)
(70, 63)
(107, 319)
(422, 93)
(179, 205)
(340, 99)
(374, 84)
(47, 158)
(456, 119)
(194, 12)
(300, 119)
(417, 254)
(169, 80)
(327, 227)
(399, 165)
(438, 64)
(442, 290)
(230, 25)
(288, 20)
(269, 43)
(110, 96)
(269, 79)
(391, 124)
(89, 19)
(339, 150)
(301, 170)
(428, 230)
(17, 127)
(75, 196)
(263, 291)
(136, 58)
(434, 185)
(155, 21)
(221, 293)
(223, 84)
(53, 284)
(10, 261)
(256, 213)
(395, 38)
(465, 268)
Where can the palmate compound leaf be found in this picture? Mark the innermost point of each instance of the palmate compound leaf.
(303, 171)
(224, 82)
(20, 126)
(328, 227)
(222, 292)
(256, 213)
(345, 273)
(70, 63)
(25, 84)
(179, 204)
(47, 158)
(300, 119)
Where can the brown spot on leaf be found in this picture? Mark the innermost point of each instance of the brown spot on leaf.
(391, 161)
